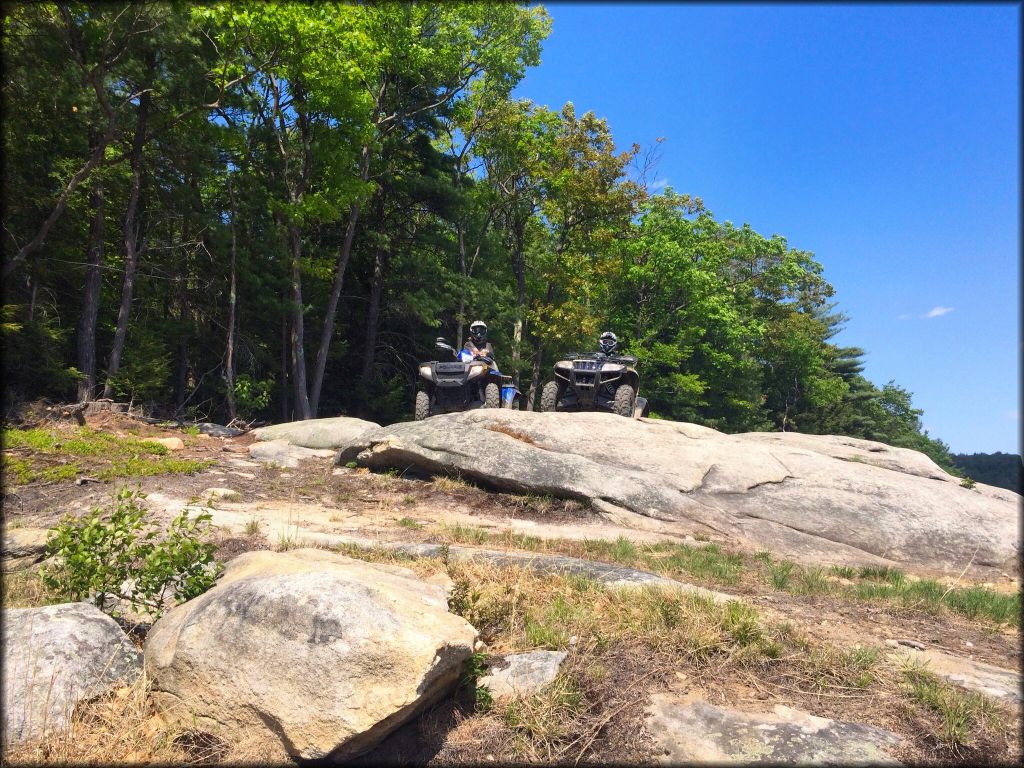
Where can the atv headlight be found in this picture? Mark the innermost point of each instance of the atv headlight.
(477, 368)
(613, 367)
(564, 364)
(425, 371)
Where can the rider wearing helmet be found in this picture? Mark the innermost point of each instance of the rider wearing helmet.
(608, 342)
(477, 343)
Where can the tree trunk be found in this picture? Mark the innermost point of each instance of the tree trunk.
(302, 403)
(538, 356)
(339, 279)
(131, 240)
(380, 260)
(519, 270)
(181, 377)
(91, 298)
(285, 385)
(460, 315)
(33, 289)
(229, 362)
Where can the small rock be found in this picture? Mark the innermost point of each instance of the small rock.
(170, 443)
(968, 643)
(573, 640)
(525, 674)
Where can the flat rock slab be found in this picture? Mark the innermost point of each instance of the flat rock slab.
(53, 658)
(522, 674)
(317, 653)
(333, 433)
(698, 732)
(808, 497)
(999, 683)
(284, 454)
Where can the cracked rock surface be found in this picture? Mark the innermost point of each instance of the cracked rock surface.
(313, 652)
(694, 731)
(808, 497)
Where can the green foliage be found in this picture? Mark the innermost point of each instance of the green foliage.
(376, 147)
(123, 553)
(251, 395)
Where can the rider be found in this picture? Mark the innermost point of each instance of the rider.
(608, 342)
(477, 344)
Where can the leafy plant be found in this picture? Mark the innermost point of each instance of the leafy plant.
(252, 395)
(120, 554)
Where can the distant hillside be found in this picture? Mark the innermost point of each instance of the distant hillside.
(1001, 469)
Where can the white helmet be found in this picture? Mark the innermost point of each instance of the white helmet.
(478, 331)
(608, 342)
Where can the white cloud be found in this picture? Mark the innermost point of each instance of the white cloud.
(904, 316)
(937, 312)
(658, 184)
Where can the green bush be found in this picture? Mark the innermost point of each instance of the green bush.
(121, 554)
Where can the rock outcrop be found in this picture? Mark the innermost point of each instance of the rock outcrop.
(321, 652)
(812, 498)
(53, 658)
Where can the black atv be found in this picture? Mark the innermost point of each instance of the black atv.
(467, 382)
(595, 382)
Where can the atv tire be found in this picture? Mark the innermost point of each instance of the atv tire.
(422, 405)
(625, 400)
(549, 397)
(492, 396)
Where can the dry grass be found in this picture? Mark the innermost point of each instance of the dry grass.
(453, 485)
(120, 727)
(25, 589)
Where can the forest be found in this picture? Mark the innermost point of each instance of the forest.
(1004, 470)
(253, 211)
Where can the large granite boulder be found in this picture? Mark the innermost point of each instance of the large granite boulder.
(812, 498)
(319, 433)
(321, 652)
(53, 658)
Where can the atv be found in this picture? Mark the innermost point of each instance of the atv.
(595, 382)
(469, 382)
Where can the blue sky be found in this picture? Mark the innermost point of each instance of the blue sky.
(884, 139)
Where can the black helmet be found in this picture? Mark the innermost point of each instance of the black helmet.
(478, 331)
(608, 342)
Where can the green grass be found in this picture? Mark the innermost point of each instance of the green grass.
(127, 456)
(408, 522)
(961, 713)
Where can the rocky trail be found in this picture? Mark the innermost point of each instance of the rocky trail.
(782, 536)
